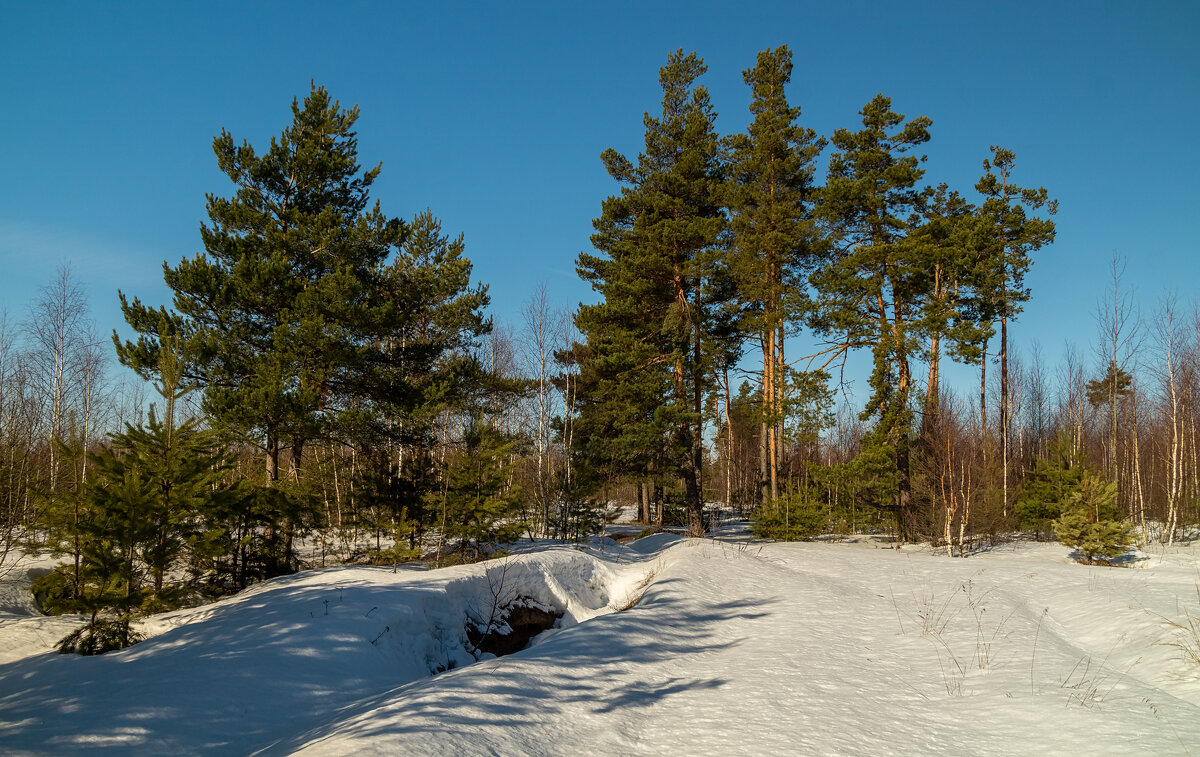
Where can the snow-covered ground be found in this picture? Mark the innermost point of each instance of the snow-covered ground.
(734, 647)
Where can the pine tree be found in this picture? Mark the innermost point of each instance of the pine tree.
(1050, 484)
(1110, 390)
(432, 319)
(656, 272)
(1090, 523)
(119, 527)
(276, 316)
(137, 511)
(63, 520)
(870, 292)
(617, 432)
(482, 505)
(111, 526)
(185, 472)
(1011, 235)
(773, 232)
(945, 247)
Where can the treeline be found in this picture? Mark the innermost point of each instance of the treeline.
(717, 246)
(717, 249)
(329, 385)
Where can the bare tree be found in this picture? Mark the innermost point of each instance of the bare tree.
(1117, 321)
(1039, 403)
(541, 334)
(129, 403)
(954, 463)
(15, 442)
(66, 367)
(60, 338)
(1138, 497)
(1170, 369)
(1071, 414)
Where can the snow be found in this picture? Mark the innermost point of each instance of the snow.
(21, 635)
(667, 645)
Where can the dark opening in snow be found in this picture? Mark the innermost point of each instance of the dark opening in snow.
(514, 627)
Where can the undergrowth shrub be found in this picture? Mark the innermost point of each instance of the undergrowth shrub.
(98, 637)
(792, 517)
(1088, 523)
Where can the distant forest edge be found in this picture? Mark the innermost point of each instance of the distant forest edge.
(328, 374)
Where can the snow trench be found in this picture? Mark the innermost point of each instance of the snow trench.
(573, 584)
(252, 670)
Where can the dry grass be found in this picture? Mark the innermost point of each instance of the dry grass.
(640, 589)
(1187, 633)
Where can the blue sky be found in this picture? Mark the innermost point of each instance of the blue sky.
(494, 115)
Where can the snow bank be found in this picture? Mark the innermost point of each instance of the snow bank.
(24, 631)
(240, 674)
(666, 645)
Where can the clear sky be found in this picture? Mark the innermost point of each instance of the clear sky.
(494, 116)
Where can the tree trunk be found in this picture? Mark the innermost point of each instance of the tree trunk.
(983, 401)
(764, 441)
(777, 396)
(272, 459)
(696, 479)
(1137, 471)
(728, 443)
(929, 417)
(1004, 406)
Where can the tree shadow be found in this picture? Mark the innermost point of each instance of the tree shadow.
(280, 653)
(644, 694)
(600, 667)
(1127, 560)
(294, 660)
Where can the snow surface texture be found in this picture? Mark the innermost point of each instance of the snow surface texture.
(667, 646)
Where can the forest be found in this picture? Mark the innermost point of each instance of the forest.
(328, 385)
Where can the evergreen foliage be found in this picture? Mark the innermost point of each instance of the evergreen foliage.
(403, 533)
(848, 490)
(1009, 234)
(98, 637)
(793, 517)
(580, 514)
(869, 290)
(1050, 484)
(180, 463)
(309, 318)
(649, 346)
(425, 368)
(774, 238)
(141, 500)
(1115, 385)
(946, 243)
(246, 534)
(278, 314)
(1090, 521)
(482, 506)
(62, 519)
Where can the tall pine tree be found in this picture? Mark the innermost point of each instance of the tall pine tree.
(1011, 235)
(869, 295)
(275, 316)
(774, 234)
(657, 241)
(945, 244)
(431, 320)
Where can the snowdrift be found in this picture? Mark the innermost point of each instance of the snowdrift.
(664, 646)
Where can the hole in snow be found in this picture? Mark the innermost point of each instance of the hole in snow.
(512, 627)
